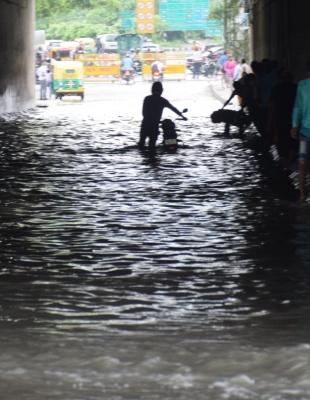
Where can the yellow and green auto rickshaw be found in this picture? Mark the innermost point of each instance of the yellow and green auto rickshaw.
(60, 53)
(68, 79)
(88, 44)
(64, 52)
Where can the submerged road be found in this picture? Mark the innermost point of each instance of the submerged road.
(124, 277)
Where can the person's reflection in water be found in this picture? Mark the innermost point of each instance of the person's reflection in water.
(153, 107)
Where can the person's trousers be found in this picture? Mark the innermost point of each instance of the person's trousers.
(151, 132)
(196, 69)
(50, 89)
(43, 89)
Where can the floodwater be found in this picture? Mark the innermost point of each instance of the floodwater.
(125, 277)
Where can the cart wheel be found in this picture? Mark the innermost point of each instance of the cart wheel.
(82, 96)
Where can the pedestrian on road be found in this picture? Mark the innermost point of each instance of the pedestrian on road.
(42, 75)
(153, 107)
(222, 61)
(237, 72)
(49, 82)
(98, 46)
(196, 46)
(301, 121)
(229, 68)
(197, 63)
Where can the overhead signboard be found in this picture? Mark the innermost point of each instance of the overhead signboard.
(145, 16)
(184, 15)
(214, 28)
(128, 20)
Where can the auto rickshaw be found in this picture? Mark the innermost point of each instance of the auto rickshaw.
(60, 53)
(88, 44)
(64, 52)
(68, 79)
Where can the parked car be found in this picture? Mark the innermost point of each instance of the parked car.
(210, 46)
(215, 53)
(53, 42)
(109, 42)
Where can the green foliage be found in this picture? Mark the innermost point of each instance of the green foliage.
(98, 17)
(234, 39)
(74, 29)
(68, 19)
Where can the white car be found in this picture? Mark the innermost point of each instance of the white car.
(215, 49)
(151, 48)
(53, 43)
(109, 42)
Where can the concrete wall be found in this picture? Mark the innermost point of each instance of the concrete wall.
(281, 30)
(17, 80)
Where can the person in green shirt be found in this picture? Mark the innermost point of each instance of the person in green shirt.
(301, 124)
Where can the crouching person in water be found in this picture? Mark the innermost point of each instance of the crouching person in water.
(153, 107)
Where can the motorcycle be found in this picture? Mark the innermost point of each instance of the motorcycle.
(156, 76)
(209, 68)
(170, 136)
(127, 76)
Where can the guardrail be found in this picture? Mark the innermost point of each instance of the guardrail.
(174, 65)
(104, 66)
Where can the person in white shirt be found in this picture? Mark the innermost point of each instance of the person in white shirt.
(49, 81)
(197, 63)
(158, 65)
(42, 75)
(237, 72)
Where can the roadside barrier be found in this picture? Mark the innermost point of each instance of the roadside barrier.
(104, 67)
(174, 65)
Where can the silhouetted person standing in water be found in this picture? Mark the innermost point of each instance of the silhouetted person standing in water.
(153, 107)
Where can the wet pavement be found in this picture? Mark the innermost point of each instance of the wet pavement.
(124, 276)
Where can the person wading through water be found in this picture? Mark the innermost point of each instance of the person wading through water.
(153, 107)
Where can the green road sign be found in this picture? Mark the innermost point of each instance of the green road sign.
(214, 28)
(128, 20)
(184, 15)
(214, 32)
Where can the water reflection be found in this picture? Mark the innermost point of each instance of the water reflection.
(162, 268)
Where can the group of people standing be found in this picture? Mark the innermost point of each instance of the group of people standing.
(232, 70)
(279, 109)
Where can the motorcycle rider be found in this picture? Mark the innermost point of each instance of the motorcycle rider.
(153, 107)
(158, 66)
(127, 63)
(137, 65)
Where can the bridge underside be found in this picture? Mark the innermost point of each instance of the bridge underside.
(17, 86)
(281, 30)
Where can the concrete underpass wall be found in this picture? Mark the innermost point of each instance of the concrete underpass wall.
(281, 30)
(17, 81)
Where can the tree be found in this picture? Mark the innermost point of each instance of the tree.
(229, 12)
(47, 8)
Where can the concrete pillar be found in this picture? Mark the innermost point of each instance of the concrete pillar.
(17, 73)
(281, 30)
